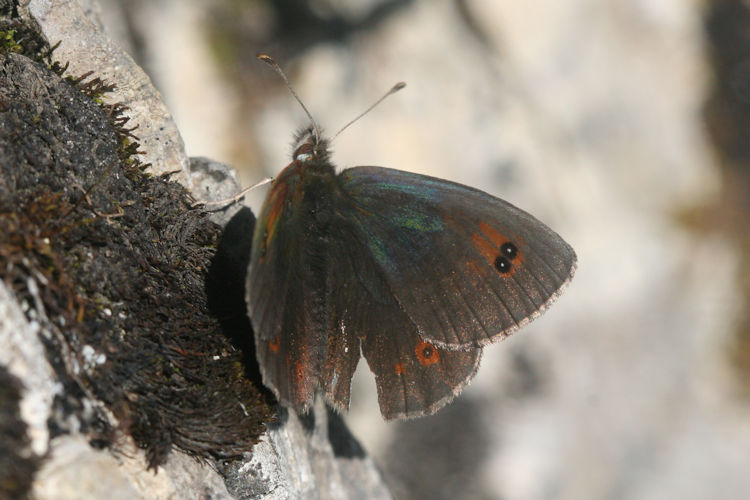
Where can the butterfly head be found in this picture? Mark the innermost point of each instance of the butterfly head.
(310, 146)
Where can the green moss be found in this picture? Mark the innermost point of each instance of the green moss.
(8, 42)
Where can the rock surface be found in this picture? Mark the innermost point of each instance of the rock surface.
(85, 45)
(66, 420)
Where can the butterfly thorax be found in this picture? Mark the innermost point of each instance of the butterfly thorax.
(300, 194)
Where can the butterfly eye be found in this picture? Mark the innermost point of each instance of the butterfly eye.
(304, 152)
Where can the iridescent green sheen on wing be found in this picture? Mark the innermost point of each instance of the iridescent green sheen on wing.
(418, 221)
(440, 247)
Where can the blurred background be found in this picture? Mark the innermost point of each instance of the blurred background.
(622, 124)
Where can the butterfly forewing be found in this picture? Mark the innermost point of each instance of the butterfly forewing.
(467, 268)
(286, 291)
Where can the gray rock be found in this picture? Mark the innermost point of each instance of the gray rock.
(304, 458)
(85, 46)
(317, 460)
(212, 181)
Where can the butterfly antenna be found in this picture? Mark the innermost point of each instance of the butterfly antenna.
(269, 60)
(393, 90)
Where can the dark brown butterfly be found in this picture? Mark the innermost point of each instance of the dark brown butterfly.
(414, 273)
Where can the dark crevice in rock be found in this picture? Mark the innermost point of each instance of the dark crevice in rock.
(17, 463)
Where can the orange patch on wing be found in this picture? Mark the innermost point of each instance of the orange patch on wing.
(274, 345)
(274, 205)
(275, 210)
(427, 354)
(485, 248)
(489, 241)
(400, 369)
(495, 236)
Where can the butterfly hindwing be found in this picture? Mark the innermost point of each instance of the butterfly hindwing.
(466, 268)
(413, 377)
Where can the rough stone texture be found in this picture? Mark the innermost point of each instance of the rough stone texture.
(314, 457)
(114, 250)
(96, 348)
(61, 404)
(214, 182)
(75, 470)
(87, 47)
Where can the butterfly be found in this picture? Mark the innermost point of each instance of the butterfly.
(415, 274)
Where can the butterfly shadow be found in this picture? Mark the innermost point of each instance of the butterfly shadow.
(225, 291)
(342, 441)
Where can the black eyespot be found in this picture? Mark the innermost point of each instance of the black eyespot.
(509, 250)
(502, 265)
(428, 351)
